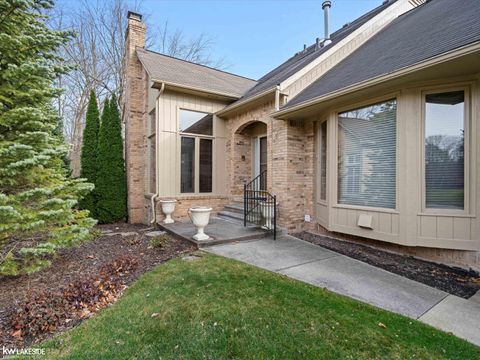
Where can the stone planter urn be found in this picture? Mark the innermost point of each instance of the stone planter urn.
(168, 206)
(267, 208)
(200, 216)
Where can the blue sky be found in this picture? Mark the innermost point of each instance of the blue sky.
(255, 36)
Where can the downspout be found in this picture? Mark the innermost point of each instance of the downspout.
(155, 196)
(277, 98)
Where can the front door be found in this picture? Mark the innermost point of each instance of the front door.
(260, 160)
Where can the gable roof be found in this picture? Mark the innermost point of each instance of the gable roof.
(303, 58)
(194, 76)
(432, 29)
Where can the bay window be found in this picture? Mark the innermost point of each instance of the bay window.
(444, 150)
(196, 168)
(367, 154)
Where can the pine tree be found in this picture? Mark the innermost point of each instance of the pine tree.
(111, 184)
(89, 153)
(37, 200)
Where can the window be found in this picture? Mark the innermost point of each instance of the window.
(323, 161)
(194, 122)
(206, 165)
(367, 156)
(444, 150)
(152, 158)
(196, 169)
(187, 172)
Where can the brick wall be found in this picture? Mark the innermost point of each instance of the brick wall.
(239, 145)
(293, 164)
(135, 114)
(290, 162)
(185, 202)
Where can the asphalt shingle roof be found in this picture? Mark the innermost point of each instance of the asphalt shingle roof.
(172, 70)
(434, 28)
(303, 58)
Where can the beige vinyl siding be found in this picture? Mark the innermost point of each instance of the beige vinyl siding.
(409, 224)
(168, 162)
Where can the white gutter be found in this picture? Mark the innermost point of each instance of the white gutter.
(198, 89)
(277, 98)
(245, 101)
(155, 196)
(454, 54)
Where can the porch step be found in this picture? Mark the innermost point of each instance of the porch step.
(231, 215)
(235, 215)
(235, 207)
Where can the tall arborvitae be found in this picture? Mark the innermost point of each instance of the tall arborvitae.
(89, 153)
(111, 185)
(37, 200)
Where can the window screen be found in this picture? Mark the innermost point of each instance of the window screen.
(444, 150)
(367, 156)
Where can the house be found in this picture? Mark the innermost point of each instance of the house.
(371, 134)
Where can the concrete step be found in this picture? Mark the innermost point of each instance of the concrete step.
(230, 214)
(235, 215)
(235, 207)
(237, 221)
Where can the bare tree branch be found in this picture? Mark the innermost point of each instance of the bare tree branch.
(98, 55)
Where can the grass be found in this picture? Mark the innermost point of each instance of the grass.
(215, 308)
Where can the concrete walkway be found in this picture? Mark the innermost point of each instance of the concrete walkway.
(327, 269)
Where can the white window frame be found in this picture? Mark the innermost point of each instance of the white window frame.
(319, 162)
(371, 101)
(197, 138)
(467, 148)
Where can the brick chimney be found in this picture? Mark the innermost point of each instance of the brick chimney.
(135, 118)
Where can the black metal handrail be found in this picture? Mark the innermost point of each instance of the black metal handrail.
(259, 206)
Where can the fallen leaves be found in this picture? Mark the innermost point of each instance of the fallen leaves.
(44, 312)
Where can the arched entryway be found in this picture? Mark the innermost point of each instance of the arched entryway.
(251, 155)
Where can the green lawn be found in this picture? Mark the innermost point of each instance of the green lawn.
(214, 308)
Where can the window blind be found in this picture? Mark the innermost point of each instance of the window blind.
(444, 150)
(367, 156)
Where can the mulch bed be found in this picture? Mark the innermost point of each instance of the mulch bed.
(452, 280)
(74, 264)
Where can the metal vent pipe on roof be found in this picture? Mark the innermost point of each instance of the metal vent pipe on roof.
(326, 5)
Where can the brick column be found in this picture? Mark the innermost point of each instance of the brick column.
(135, 114)
(293, 171)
